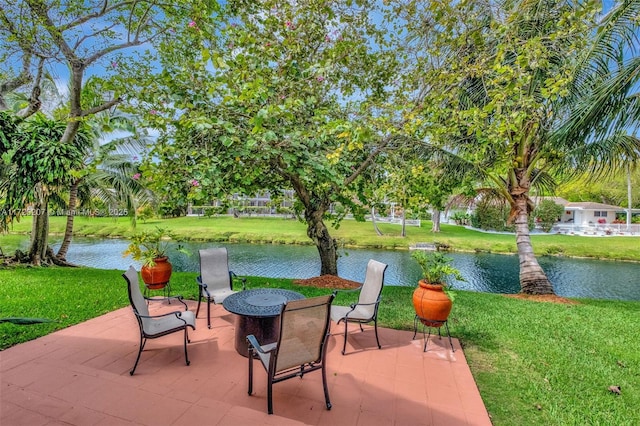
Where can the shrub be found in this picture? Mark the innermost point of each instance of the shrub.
(548, 213)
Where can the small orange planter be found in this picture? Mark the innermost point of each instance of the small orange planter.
(431, 303)
(156, 277)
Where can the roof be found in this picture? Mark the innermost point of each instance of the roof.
(587, 205)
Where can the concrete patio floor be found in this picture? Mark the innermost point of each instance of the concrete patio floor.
(80, 376)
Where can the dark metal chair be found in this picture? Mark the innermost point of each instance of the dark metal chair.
(154, 326)
(366, 309)
(215, 281)
(301, 346)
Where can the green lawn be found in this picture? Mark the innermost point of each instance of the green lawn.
(534, 363)
(350, 233)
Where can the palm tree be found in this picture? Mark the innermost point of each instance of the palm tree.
(108, 171)
(605, 97)
(37, 167)
(497, 103)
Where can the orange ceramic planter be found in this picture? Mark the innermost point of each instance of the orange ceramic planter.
(157, 276)
(431, 303)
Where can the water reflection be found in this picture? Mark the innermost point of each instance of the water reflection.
(483, 272)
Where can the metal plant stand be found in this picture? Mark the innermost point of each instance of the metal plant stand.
(166, 292)
(436, 324)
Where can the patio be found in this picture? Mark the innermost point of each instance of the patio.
(80, 376)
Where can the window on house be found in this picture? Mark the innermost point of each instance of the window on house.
(599, 214)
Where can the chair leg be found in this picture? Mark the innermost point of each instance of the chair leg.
(208, 312)
(143, 341)
(186, 339)
(326, 388)
(375, 327)
(199, 300)
(344, 347)
(270, 394)
(250, 370)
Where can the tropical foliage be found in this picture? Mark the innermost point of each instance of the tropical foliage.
(496, 80)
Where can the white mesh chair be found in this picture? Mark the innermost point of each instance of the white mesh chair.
(366, 309)
(154, 326)
(215, 282)
(301, 345)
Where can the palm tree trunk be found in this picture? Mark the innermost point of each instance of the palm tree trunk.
(40, 227)
(533, 279)
(435, 219)
(68, 232)
(629, 198)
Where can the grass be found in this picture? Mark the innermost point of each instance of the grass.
(350, 234)
(534, 363)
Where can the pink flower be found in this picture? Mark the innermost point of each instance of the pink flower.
(267, 44)
(327, 39)
(114, 64)
(192, 24)
(195, 183)
(135, 158)
(288, 24)
(153, 112)
(320, 78)
(136, 176)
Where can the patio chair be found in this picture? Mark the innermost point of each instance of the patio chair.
(154, 326)
(366, 309)
(301, 346)
(215, 282)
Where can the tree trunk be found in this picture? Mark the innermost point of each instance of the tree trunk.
(373, 220)
(40, 228)
(435, 219)
(404, 224)
(533, 279)
(68, 232)
(327, 246)
(629, 198)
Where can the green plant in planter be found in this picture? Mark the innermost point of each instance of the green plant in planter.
(436, 269)
(150, 245)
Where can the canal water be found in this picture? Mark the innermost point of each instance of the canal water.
(492, 273)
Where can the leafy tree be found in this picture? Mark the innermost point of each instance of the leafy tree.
(39, 166)
(548, 213)
(276, 98)
(40, 37)
(497, 73)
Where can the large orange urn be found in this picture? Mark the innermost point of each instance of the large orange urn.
(157, 276)
(431, 303)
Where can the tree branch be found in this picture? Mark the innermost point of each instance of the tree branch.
(101, 108)
(34, 100)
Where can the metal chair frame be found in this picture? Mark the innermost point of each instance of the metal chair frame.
(203, 288)
(183, 319)
(272, 351)
(373, 318)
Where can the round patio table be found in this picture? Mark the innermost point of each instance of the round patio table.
(257, 312)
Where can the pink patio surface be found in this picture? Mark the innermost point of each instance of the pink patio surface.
(80, 376)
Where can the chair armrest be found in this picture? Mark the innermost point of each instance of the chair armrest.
(349, 290)
(233, 276)
(353, 305)
(202, 285)
(253, 343)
